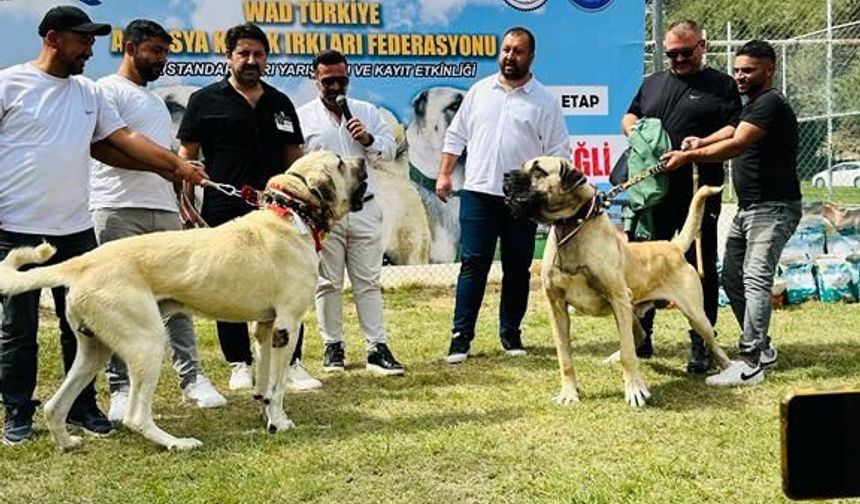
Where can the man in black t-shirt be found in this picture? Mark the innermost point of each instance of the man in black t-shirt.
(764, 172)
(247, 131)
(692, 101)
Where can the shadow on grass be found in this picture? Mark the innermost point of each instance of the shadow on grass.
(435, 396)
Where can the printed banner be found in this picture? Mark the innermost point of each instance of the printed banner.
(412, 58)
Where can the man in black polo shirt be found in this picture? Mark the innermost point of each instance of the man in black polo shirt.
(248, 131)
(764, 172)
(691, 100)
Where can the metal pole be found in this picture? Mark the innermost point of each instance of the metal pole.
(657, 32)
(784, 71)
(729, 70)
(829, 94)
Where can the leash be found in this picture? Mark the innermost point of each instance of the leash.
(607, 197)
(568, 228)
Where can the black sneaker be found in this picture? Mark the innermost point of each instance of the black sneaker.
(512, 344)
(333, 359)
(459, 349)
(380, 360)
(645, 350)
(700, 357)
(90, 420)
(18, 426)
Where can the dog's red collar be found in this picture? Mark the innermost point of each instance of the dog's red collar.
(565, 229)
(283, 203)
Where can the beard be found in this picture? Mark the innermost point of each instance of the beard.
(74, 67)
(148, 71)
(330, 99)
(248, 75)
(753, 89)
(514, 72)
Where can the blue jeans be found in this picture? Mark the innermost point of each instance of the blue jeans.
(755, 242)
(19, 346)
(484, 218)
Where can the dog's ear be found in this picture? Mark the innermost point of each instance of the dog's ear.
(419, 106)
(571, 178)
(452, 108)
(324, 191)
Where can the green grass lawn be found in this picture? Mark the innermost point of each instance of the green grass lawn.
(482, 431)
(843, 195)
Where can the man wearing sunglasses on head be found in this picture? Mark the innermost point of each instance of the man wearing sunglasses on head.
(691, 100)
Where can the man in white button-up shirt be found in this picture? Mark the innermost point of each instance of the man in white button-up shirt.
(505, 120)
(349, 128)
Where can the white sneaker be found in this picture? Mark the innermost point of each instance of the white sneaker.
(203, 394)
(241, 376)
(118, 406)
(738, 374)
(767, 358)
(300, 379)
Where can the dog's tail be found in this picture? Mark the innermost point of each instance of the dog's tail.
(694, 217)
(13, 281)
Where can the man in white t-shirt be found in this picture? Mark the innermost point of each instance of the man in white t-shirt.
(355, 243)
(504, 120)
(51, 120)
(128, 203)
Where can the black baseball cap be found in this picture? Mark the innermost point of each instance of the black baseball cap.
(70, 18)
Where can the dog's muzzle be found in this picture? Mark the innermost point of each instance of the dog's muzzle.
(519, 196)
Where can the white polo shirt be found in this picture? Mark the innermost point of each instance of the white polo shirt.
(502, 128)
(46, 126)
(144, 112)
(324, 131)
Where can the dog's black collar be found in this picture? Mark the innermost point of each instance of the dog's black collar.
(566, 228)
(417, 176)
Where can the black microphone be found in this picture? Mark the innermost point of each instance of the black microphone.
(341, 102)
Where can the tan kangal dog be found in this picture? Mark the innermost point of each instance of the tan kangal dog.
(261, 267)
(587, 266)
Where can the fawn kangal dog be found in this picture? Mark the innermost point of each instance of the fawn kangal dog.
(261, 267)
(587, 266)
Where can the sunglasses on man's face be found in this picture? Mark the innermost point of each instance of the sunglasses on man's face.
(685, 52)
(331, 81)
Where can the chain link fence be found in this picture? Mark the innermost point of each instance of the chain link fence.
(818, 69)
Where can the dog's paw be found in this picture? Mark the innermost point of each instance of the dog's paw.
(636, 393)
(184, 444)
(279, 425)
(612, 359)
(70, 443)
(566, 397)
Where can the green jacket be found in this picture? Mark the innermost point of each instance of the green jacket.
(648, 141)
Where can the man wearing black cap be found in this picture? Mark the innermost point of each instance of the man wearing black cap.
(51, 120)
